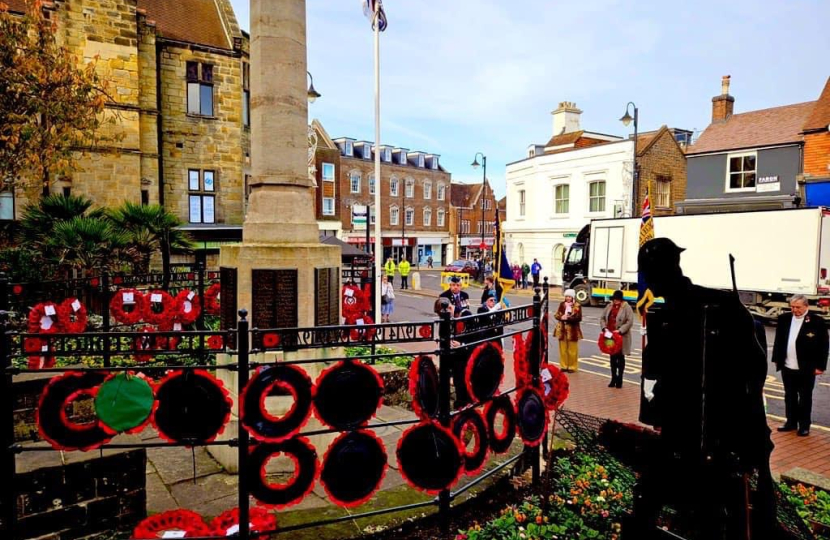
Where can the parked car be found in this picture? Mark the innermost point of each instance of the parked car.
(467, 267)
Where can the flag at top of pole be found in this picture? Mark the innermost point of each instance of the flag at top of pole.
(645, 297)
(373, 9)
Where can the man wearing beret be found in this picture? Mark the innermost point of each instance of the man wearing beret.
(459, 306)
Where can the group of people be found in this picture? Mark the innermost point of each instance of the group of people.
(525, 274)
(403, 268)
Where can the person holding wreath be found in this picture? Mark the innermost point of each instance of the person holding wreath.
(569, 332)
(618, 316)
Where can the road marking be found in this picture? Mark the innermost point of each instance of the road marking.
(814, 426)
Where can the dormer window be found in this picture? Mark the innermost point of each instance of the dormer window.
(403, 158)
(421, 160)
(349, 150)
(367, 151)
(387, 154)
(435, 162)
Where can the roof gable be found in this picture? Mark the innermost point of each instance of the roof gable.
(819, 118)
(766, 127)
(464, 195)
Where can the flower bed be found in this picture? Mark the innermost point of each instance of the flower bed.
(812, 505)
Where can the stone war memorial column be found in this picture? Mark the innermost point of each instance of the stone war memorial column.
(280, 267)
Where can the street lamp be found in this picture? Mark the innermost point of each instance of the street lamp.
(474, 165)
(626, 119)
(312, 93)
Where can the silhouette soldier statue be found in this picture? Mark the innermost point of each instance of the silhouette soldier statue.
(703, 377)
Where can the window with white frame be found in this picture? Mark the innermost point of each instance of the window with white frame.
(435, 162)
(740, 175)
(465, 226)
(441, 217)
(201, 196)
(367, 151)
(387, 154)
(371, 184)
(349, 150)
(561, 199)
(442, 192)
(403, 158)
(328, 172)
(394, 215)
(427, 217)
(394, 186)
(663, 194)
(199, 88)
(409, 215)
(354, 181)
(421, 160)
(7, 204)
(486, 204)
(427, 190)
(596, 196)
(410, 188)
(328, 206)
(522, 201)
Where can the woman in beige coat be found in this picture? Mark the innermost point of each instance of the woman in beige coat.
(618, 316)
(569, 332)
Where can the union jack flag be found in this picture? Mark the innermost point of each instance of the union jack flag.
(373, 9)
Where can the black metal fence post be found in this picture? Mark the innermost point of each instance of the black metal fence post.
(7, 491)
(105, 308)
(445, 367)
(535, 362)
(544, 317)
(200, 322)
(243, 348)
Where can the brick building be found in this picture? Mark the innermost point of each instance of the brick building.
(415, 198)
(179, 79)
(473, 209)
(816, 133)
(578, 176)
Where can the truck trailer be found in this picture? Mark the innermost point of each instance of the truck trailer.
(777, 253)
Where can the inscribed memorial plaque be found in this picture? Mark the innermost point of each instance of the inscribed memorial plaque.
(326, 296)
(227, 298)
(274, 299)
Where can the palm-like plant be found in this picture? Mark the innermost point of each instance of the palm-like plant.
(150, 228)
(40, 218)
(87, 244)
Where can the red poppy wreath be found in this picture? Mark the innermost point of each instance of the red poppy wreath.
(127, 298)
(188, 307)
(159, 307)
(73, 316)
(212, 299)
(43, 318)
(610, 344)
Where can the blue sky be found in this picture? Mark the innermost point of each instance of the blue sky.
(463, 76)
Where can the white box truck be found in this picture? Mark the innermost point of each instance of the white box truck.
(777, 253)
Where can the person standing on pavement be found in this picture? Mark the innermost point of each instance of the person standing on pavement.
(387, 299)
(429, 261)
(459, 306)
(799, 353)
(618, 316)
(569, 332)
(535, 270)
(525, 274)
(389, 268)
(403, 268)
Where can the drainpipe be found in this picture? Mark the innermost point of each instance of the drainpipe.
(159, 131)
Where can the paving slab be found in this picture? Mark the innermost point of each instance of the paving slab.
(176, 464)
(159, 498)
(205, 489)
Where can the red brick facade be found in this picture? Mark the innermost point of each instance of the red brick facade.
(817, 154)
(661, 160)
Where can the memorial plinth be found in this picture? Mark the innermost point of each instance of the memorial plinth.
(280, 272)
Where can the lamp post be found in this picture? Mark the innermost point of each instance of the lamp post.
(474, 165)
(626, 119)
(312, 93)
(403, 221)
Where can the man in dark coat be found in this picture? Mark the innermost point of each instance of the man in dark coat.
(459, 306)
(799, 353)
(703, 375)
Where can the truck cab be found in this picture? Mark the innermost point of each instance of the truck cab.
(575, 270)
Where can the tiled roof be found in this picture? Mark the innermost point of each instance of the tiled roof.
(193, 21)
(566, 138)
(820, 116)
(767, 127)
(464, 195)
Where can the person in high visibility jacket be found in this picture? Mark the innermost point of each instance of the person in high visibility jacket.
(389, 267)
(403, 268)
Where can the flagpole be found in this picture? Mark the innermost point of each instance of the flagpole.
(378, 182)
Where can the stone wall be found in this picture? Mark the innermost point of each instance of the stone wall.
(201, 142)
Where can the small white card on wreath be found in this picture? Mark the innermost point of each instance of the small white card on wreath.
(546, 376)
(155, 298)
(190, 295)
(76, 305)
(49, 310)
(128, 298)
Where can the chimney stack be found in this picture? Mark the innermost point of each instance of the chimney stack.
(723, 105)
(565, 118)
